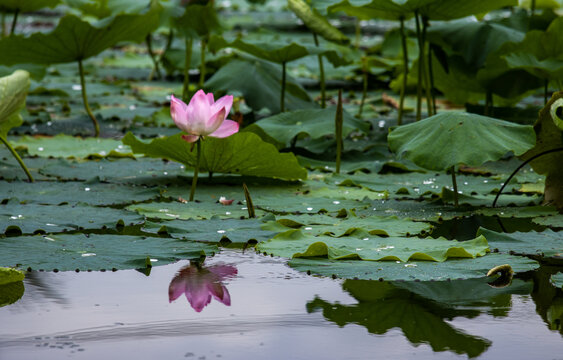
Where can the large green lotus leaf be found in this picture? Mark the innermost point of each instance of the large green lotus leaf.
(75, 39)
(242, 153)
(214, 230)
(474, 41)
(536, 212)
(448, 197)
(283, 204)
(315, 123)
(105, 8)
(97, 252)
(26, 6)
(13, 91)
(65, 146)
(416, 210)
(259, 86)
(453, 9)
(557, 280)
(379, 9)
(8, 275)
(11, 170)
(420, 322)
(142, 171)
(539, 52)
(415, 270)
(545, 69)
(347, 193)
(190, 210)
(316, 22)
(453, 138)
(416, 185)
(31, 218)
(10, 293)
(296, 243)
(432, 9)
(555, 221)
(11, 285)
(91, 193)
(198, 20)
(546, 244)
(278, 52)
(349, 226)
(350, 166)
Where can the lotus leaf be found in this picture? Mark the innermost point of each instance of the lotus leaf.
(243, 153)
(296, 244)
(413, 270)
(31, 218)
(97, 252)
(544, 245)
(454, 138)
(313, 122)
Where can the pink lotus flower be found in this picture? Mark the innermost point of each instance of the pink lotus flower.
(203, 116)
(201, 284)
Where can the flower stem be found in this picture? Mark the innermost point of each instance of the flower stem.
(405, 73)
(454, 182)
(196, 169)
(187, 63)
(321, 74)
(85, 99)
(18, 158)
(282, 97)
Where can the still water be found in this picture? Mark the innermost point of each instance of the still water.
(262, 309)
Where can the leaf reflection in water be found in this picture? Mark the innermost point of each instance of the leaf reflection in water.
(200, 284)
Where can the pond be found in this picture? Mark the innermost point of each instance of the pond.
(275, 312)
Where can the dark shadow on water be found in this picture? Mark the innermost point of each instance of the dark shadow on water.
(465, 228)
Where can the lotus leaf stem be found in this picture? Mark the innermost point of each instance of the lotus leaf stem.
(85, 99)
(282, 97)
(365, 86)
(520, 167)
(321, 74)
(420, 69)
(545, 91)
(431, 76)
(156, 68)
(426, 70)
(249, 203)
(18, 158)
(405, 73)
(358, 33)
(454, 182)
(338, 120)
(187, 63)
(196, 169)
(14, 22)
(489, 103)
(202, 65)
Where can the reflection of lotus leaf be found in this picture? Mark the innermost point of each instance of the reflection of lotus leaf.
(420, 320)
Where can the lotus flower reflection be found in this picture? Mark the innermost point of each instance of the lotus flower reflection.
(203, 116)
(200, 284)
